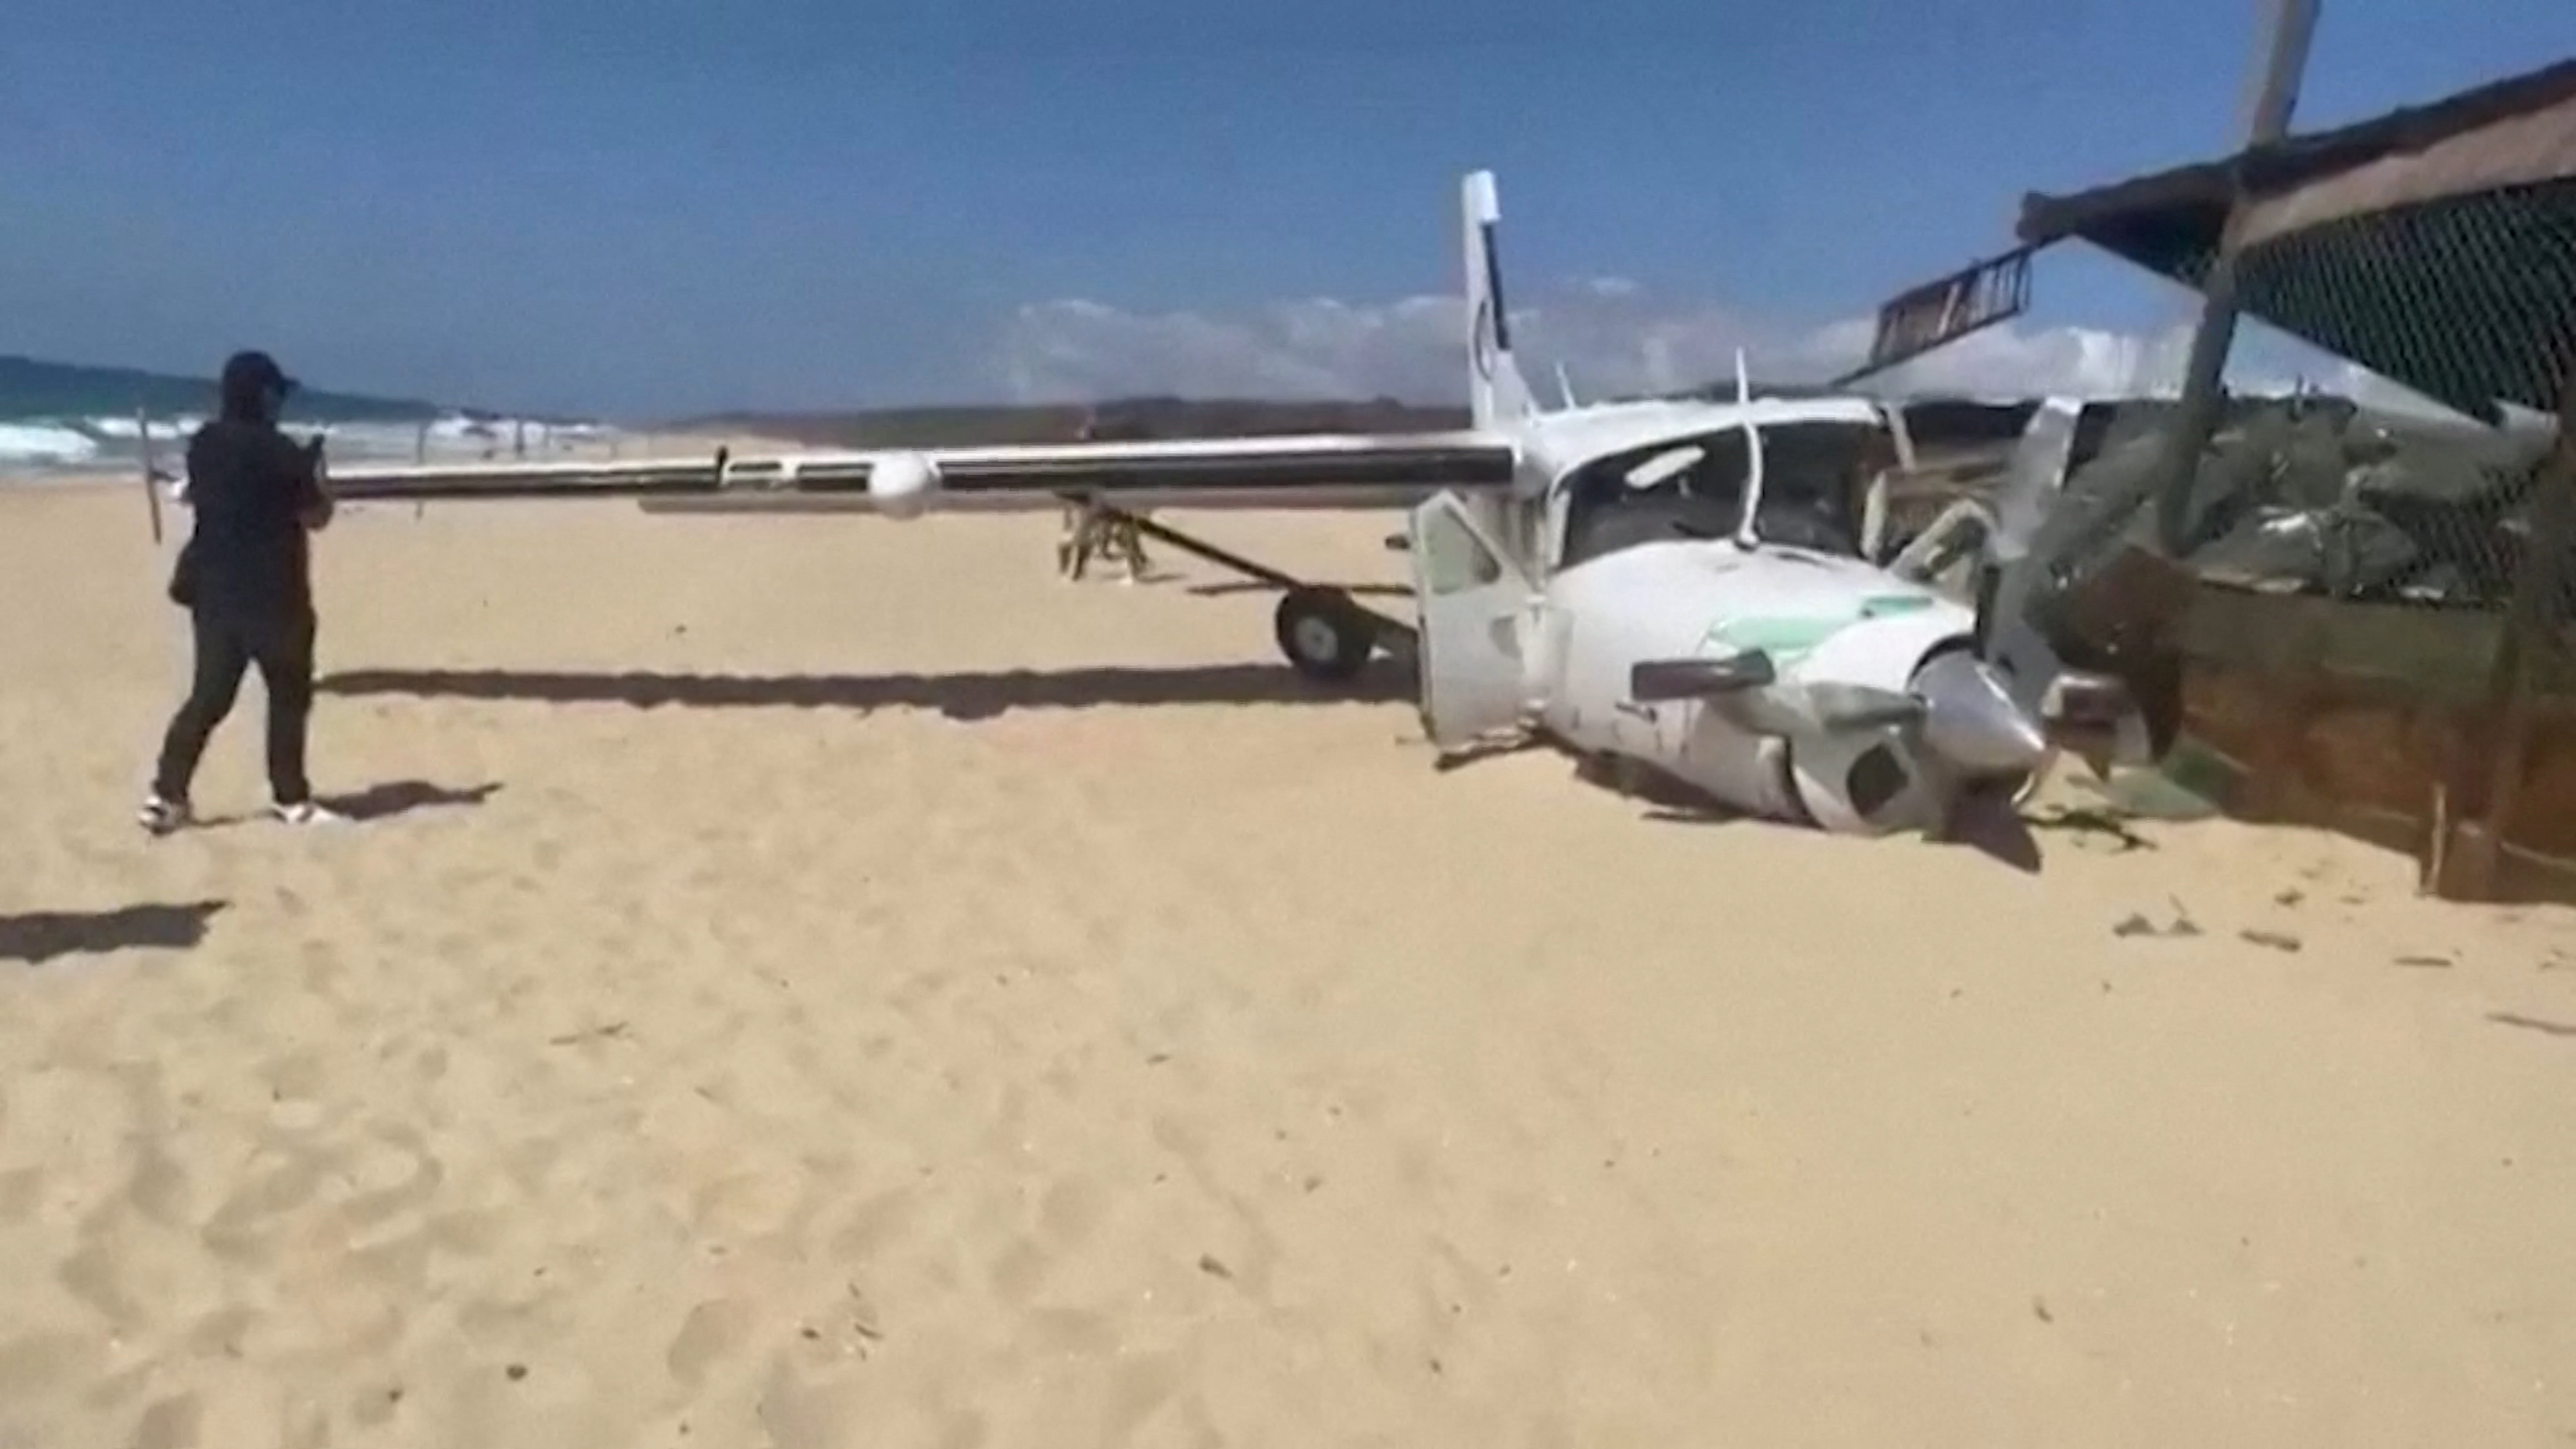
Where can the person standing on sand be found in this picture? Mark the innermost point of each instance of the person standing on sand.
(245, 578)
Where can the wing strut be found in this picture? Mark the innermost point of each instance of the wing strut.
(1258, 572)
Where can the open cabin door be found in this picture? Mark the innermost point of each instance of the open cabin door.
(1473, 600)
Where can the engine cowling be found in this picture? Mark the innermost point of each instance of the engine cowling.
(903, 484)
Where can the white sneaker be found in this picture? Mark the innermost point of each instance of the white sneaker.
(306, 812)
(163, 816)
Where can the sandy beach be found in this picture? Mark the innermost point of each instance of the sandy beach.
(820, 982)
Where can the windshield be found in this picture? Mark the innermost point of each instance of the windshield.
(1814, 477)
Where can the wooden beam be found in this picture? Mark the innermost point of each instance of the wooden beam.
(2274, 99)
(151, 472)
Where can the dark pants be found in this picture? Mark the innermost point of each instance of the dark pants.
(226, 646)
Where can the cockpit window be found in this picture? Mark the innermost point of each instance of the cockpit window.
(1814, 477)
(1821, 458)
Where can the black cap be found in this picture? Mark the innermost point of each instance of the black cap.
(248, 374)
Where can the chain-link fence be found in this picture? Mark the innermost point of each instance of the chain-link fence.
(2407, 475)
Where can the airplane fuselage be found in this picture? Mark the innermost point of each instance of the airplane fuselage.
(1788, 678)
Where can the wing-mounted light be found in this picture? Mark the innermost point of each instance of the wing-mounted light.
(902, 484)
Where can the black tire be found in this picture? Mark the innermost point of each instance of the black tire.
(1324, 634)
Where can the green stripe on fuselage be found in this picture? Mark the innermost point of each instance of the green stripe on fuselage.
(1786, 637)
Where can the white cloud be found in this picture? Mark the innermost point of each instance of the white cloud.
(1613, 336)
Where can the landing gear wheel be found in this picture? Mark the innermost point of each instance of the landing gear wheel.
(1325, 636)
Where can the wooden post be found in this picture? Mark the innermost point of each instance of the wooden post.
(2466, 864)
(151, 483)
(2267, 119)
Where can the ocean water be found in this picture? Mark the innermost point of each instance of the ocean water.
(61, 420)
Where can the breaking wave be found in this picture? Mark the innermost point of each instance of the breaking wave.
(46, 445)
(119, 444)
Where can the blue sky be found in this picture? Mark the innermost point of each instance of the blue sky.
(663, 207)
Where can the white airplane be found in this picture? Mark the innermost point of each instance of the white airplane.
(1680, 587)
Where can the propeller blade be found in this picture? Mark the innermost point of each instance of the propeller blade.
(2031, 480)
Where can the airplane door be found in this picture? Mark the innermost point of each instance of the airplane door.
(1473, 603)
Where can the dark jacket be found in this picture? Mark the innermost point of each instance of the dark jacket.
(250, 487)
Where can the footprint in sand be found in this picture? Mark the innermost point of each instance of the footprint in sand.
(158, 1187)
(239, 1224)
(294, 1075)
(1072, 1332)
(799, 1415)
(713, 1332)
(875, 1222)
(1016, 1274)
(846, 1409)
(373, 1408)
(746, 1205)
(102, 1269)
(397, 1173)
(1182, 1141)
(219, 1334)
(471, 1232)
(398, 1264)
(1138, 1390)
(21, 1189)
(34, 1364)
(1071, 1211)
(172, 1423)
(1067, 1216)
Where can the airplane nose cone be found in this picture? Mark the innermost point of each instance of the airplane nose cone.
(1970, 719)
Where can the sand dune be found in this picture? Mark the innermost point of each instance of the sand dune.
(820, 983)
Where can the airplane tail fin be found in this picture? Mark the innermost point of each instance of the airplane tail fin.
(1495, 391)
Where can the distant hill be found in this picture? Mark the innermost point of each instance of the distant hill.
(30, 388)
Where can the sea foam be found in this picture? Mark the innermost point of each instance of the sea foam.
(118, 444)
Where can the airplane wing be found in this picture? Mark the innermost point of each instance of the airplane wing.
(1353, 471)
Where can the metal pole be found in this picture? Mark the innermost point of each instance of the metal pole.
(2267, 119)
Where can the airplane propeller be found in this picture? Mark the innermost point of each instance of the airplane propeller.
(2093, 711)
(1986, 717)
